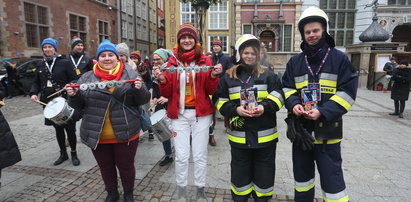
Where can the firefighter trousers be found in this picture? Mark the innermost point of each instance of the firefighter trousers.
(252, 173)
(328, 162)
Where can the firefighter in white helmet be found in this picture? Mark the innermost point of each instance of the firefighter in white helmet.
(249, 97)
(320, 86)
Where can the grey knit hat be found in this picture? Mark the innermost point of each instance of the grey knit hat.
(75, 41)
(123, 49)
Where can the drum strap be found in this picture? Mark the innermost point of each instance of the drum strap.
(126, 107)
(143, 116)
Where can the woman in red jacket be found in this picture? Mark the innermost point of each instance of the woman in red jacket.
(189, 106)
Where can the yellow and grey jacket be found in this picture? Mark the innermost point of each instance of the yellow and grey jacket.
(251, 132)
(339, 82)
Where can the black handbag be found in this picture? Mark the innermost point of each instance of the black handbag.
(326, 130)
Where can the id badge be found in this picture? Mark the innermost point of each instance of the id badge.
(188, 90)
(316, 89)
(78, 72)
(49, 84)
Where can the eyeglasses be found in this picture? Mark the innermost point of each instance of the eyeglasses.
(156, 59)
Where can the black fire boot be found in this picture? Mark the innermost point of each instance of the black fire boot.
(74, 158)
(112, 195)
(63, 157)
(128, 196)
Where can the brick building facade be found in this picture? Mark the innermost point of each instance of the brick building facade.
(25, 23)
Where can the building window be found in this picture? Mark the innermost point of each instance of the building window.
(37, 24)
(218, 16)
(399, 2)
(123, 6)
(138, 10)
(130, 31)
(252, 1)
(102, 1)
(247, 29)
(78, 27)
(144, 9)
(287, 38)
(223, 39)
(102, 30)
(341, 15)
(187, 13)
(124, 29)
(138, 31)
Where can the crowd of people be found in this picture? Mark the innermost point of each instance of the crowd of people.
(318, 87)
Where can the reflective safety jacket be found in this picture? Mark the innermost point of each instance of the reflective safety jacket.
(338, 79)
(251, 132)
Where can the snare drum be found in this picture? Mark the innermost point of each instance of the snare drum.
(161, 125)
(58, 111)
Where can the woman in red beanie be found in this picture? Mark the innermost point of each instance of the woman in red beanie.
(189, 107)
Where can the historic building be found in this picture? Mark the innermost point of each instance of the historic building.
(218, 23)
(25, 23)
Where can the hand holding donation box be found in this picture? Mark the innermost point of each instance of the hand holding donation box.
(310, 96)
(248, 99)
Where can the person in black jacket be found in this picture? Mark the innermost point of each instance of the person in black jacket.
(12, 78)
(79, 60)
(9, 151)
(401, 88)
(52, 74)
(251, 122)
(218, 57)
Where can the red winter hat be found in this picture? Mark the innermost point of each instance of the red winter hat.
(217, 42)
(187, 29)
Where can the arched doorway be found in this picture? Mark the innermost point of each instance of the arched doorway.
(401, 33)
(267, 38)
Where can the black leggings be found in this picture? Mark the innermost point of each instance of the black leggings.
(71, 136)
(399, 106)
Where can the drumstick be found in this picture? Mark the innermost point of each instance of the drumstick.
(42, 103)
(57, 92)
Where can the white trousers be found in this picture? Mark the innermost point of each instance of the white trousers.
(188, 124)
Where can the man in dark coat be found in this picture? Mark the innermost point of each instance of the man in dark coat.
(9, 151)
(80, 61)
(218, 57)
(12, 78)
(401, 88)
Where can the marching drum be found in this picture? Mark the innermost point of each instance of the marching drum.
(58, 111)
(161, 125)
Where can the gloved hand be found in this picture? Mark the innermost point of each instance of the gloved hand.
(306, 142)
(291, 130)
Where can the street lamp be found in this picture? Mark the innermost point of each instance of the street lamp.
(201, 7)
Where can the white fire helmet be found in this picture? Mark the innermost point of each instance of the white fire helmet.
(312, 14)
(245, 39)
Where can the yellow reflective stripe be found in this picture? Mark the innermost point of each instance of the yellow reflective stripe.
(343, 99)
(263, 192)
(242, 191)
(220, 103)
(276, 100)
(288, 92)
(337, 197)
(268, 138)
(328, 90)
(262, 94)
(240, 140)
(304, 186)
(331, 141)
(234, 96)
(301, 81)
(329, 83)
(301, 84)
(343, 199)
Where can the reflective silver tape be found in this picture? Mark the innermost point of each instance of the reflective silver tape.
(234, 90)
(328, 76)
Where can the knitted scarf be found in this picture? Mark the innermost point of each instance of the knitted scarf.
(107, 75)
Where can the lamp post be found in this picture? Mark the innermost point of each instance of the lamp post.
(201, 7)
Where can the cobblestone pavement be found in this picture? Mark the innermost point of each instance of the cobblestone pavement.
(375, 149)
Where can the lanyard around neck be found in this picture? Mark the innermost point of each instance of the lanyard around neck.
(78, 62)
(321, 65)
(52, 65)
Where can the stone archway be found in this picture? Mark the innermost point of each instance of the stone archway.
(401, 33)
(267, 38)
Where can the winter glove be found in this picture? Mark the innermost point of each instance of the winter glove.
(291, 130)
(306, 142)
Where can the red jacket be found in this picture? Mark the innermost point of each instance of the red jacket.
(204, 87)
